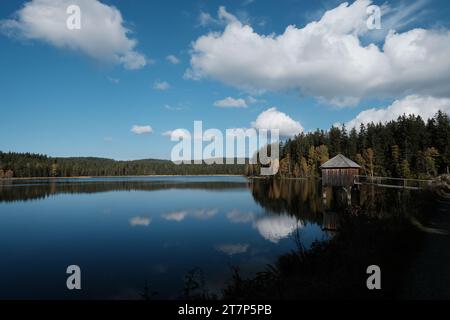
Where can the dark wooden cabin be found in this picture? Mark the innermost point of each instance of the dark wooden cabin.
(339, 171)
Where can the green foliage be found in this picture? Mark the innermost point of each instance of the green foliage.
(406, 147)
(23, 165)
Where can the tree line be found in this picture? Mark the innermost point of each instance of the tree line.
(408, 147)
(23, 165)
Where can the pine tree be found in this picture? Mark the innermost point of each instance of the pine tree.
(335, 141)
(430, 155)
(369, 156)
(304, 169)
(404, 169)
(395, 155)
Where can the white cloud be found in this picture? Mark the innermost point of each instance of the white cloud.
(230, 102)
(133, 60)
(173, 59)
(340, 102)
(175, 216)
(326, 58)
(223, 17)
(205, 19)
(137, 129)
(270, 119)
(102, 36)
(274, 119)
(424, 106)
(169, 107)
(252, 100)
(161, 85)
(177, 134)
(140, 221)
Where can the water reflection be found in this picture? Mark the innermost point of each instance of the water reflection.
(199, 214)
(309, 202)
(232, 249)
(275, 228)
(236, 216)
(140, 221)
(365, 225)
(271, 227)
(155, 230)
(299, 198)
(177, 216)
(22, 190)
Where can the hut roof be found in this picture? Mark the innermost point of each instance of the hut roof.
(340, 161)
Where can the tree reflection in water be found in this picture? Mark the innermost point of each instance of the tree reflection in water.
(377, 226)
(374, 226)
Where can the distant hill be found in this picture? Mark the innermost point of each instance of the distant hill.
(22, 165)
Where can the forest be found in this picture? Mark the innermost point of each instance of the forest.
(408, 147)
(23, 165)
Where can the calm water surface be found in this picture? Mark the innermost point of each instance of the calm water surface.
(129, 233)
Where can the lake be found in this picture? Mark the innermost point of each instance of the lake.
(128, 234)
(159, 237)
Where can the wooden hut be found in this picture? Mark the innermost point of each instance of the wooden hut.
(339, 171)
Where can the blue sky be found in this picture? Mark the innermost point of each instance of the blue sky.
(62, 101)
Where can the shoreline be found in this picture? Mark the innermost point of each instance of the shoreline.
(138, 176)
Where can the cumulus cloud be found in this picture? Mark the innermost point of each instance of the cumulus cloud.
(161, 85)
(173, 59)
(137, 129)
(274, 119)
(103, 35)
(424, 106)
(326, 58)
(230, 102)
(270, 119)
(140, 221)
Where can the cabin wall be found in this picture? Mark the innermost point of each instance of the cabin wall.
(339, 177)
